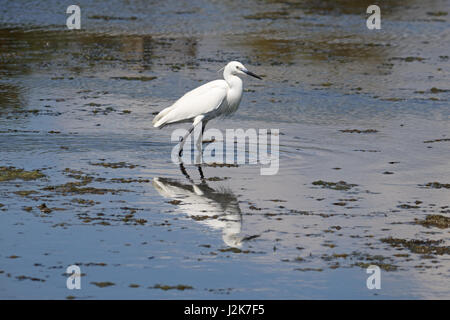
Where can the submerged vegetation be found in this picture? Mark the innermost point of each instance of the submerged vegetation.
(12, 173)
(164, 287)
(419, 246)
(340, 185)
(435, 220)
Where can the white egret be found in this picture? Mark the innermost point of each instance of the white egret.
(213, 99)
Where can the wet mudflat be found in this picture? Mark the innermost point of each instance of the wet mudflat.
(364, 137)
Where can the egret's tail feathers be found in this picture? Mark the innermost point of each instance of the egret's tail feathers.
(158, 124)
(158, 120)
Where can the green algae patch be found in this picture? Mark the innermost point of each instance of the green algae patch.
(24, 193)
(383, 266)
(20, 278)
(114, 165)
(435, 220)
(408, 59)
(221, 165)
(437, 140)
(103, 284)
(44, 209)
(91, 264)
(309, 269)
(231, 249)
(135, 78)
(201, 218)
(216, 179)
(418, 246)
(340, 204)
(78, 175)
(129, 180)
(140, 221)
(437, 13)
(340, 255)
(107, 18)
(407, 206)
(180, 287)
(13, 173)
(363, 260)
(437, 90)
(437, 185)
(273, 15)
(340, 185)
(358, 131)
(77, 188)
(83, 202)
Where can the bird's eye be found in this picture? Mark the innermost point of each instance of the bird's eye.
(237, 67)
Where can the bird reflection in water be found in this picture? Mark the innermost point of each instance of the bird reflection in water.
(216, 208)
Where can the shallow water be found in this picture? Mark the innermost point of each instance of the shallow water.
(77, 105)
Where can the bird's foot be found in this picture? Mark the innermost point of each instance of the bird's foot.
(202, 177)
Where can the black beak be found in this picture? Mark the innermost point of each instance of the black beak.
(252, 74)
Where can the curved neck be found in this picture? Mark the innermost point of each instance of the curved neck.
(232, 80)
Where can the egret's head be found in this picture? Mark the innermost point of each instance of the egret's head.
(236, 68)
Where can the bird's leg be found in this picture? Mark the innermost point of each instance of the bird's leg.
(203, 128)
(200, 138)
(183, 140)
(206, 141)
(184, 172)
(197, 120)
(201, 173)
(199, 145)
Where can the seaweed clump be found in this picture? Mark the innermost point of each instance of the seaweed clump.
(418, 246)
(437, 185)
(359, 131)
(340, 185)
(435, 220)
(103, 284)
(181, 287)
(12, 173)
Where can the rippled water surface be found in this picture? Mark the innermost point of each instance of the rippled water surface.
(364, 174)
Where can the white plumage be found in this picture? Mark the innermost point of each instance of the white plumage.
(213, 99)
(202, 100)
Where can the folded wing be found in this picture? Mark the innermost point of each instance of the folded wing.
(200, 101)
